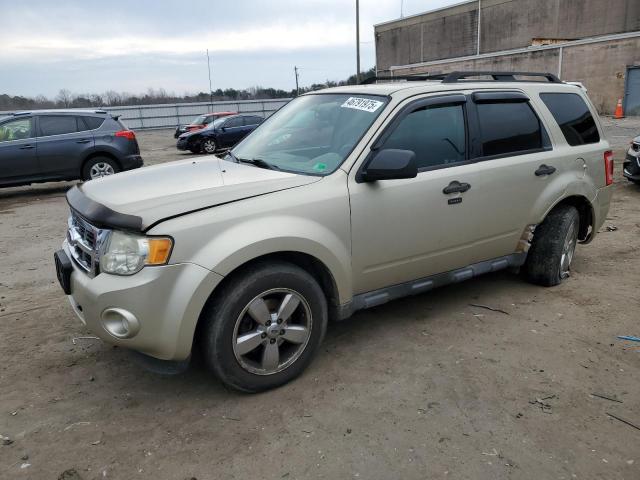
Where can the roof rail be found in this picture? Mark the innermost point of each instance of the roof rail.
(409, 78)
(17, 114)
(454, 77)
(100, 111)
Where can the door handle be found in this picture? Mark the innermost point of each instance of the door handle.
(456, 187)
(84, 140)
(544, 170)
(27, 147)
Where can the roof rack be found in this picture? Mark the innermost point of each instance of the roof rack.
(455, 77)
(408, 78)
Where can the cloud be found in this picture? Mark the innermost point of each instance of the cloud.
(269, 38)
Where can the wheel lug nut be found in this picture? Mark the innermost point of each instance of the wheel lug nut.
(264, 335)
(282, 332)
(273, 340)
(279, 321)
(268, 323)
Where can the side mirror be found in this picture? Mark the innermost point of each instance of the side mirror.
(390, 164)
(224, 129)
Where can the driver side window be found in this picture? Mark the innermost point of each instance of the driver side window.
(233, 122)
(18, 129)
(435, 134)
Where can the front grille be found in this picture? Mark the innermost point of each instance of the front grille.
(85, 243)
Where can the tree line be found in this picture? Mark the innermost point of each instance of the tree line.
(67, 99)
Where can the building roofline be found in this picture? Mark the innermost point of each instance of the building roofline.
(400, 19)
(515, 51)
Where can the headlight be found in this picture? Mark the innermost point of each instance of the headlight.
(126, 254)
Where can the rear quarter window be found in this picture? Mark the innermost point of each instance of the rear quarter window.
(91, 123)
(573, 117)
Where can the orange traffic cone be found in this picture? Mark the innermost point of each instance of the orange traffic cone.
(619, 113)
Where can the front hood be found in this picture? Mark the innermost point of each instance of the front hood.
(155, 193)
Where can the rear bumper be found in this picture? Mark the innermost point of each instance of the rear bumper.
(165, 300)
(131, 161)
(601, 205)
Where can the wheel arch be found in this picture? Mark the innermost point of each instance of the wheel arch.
(99, 153)
(585, 211)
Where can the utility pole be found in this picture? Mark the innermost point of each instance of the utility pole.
(295, 70)
(209, 67)
(357, 41)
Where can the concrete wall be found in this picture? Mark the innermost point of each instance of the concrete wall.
(600, 67)
(506, 24)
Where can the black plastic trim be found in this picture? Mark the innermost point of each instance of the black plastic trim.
(421, 285)
(99, 215)
(499, 97)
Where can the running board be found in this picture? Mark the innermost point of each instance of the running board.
(414, 287)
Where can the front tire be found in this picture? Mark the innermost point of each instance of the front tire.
(263, 328)
(209, 146)
(98, 167)
(553, 247)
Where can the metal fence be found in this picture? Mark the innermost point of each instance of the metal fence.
(167, 115)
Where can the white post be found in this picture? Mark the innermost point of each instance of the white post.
(479, 21)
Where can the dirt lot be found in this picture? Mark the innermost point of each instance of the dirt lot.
(428, 387)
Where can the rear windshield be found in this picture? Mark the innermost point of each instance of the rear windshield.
(573, 117)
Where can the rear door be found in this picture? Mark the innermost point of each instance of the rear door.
(18, 150)
(63, 142)
(515, 171)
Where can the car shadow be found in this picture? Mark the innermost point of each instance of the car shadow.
(44, 190)
(407, 314)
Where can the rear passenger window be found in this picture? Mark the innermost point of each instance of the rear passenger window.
(90, 123)
(57, 125)
(573, 117)
(436, 135)
(508, 127)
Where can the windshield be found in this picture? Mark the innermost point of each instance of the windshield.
(199, 120)
(312, 134)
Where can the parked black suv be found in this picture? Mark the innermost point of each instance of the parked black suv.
(44, 146)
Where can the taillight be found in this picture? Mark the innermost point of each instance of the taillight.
(128, 134)
(608, 167)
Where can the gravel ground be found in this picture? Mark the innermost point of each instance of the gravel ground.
(427, 387)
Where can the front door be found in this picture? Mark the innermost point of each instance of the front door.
(407, 229)
(18, 150)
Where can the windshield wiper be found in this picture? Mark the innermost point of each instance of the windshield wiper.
(258, 162)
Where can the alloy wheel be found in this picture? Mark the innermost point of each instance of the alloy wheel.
(568, 249)
(209, 146)
(101, 169)
(272, 331)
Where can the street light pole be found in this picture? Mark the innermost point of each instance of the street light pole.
(357, 41)
(209, 67)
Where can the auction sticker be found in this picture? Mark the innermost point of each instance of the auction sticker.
(362, 104)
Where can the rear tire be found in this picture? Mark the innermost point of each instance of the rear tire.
(98, 167)
(553, 247)
(263, 328)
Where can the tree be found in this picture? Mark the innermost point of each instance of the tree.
(64, 98)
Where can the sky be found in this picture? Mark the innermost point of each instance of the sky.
(90, 46)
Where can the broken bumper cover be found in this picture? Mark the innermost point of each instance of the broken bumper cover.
(165, 301)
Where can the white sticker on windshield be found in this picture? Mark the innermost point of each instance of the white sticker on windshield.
(362, 104)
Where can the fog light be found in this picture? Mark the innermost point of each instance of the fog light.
(120, 323)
